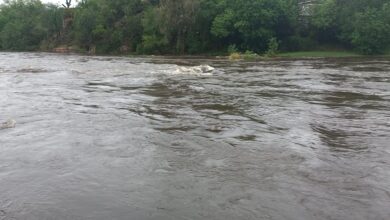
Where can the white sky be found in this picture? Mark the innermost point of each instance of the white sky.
(57, 2)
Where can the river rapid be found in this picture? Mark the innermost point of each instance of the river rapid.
(147, 138)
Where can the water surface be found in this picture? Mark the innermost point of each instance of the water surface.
(132, 138)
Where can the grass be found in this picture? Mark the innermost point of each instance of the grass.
(387, 54)
(305, 54)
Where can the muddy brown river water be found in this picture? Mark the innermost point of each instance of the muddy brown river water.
(110, 138)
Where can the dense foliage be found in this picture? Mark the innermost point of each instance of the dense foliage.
(196, 26)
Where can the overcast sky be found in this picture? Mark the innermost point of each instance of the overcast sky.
(51, 1)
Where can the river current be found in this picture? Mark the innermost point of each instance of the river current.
(114, 138)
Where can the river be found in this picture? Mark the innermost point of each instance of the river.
(114, 138)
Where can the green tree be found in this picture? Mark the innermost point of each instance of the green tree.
(351, 23)
(24, 24)
(177, 21)
(371, 30)
(109, 25)
(195, 26)
(251, 24)
(153, 40)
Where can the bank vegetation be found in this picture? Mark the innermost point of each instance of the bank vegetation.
(239, 27)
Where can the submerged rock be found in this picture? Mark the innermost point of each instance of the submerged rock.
(8, 124)
(195, 70)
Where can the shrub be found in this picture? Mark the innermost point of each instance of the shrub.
(235, 56)
(273, 47)
(250, 55)
(232, 49)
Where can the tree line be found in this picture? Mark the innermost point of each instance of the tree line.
(196, 26)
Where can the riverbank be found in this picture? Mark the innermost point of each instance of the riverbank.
(320, 54)
(222, 55)
(303, 55)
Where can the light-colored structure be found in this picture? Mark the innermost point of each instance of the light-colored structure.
(307, 6)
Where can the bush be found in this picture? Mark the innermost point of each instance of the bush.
(371, 33)
(250, 55)
(273, 47)
(232, 49)
(235, 56)
(152, 44)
